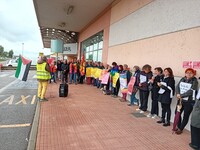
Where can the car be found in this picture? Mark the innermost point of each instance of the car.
(12, 63)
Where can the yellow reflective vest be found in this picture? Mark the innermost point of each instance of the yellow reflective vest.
(42, 74)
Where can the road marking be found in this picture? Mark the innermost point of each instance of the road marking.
(35, 76)
(12, 76)
(15, 125)
(23, 99)
(33, 100)
(5, 87)
(3, 75)
(8, 100)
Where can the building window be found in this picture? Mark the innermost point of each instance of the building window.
(93, 47)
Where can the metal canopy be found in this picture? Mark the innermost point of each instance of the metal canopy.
(63, 19)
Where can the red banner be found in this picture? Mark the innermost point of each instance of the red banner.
(187, 64)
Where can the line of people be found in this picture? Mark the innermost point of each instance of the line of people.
(161, 84)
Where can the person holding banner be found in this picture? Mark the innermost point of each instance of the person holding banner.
(114, 73)
(124, 82)
(186, 92)
(145, 77)
(133, 86)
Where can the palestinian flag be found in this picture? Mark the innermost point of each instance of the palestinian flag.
(23, 68)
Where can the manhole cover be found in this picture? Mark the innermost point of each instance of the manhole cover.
(138, 115)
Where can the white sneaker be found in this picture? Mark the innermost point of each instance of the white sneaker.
(137, 109)
(149, 115)
(141, 112)
(154, 116)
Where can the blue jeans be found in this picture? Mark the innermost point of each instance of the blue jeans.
(72, 76)
(53, 76)
(133, 98)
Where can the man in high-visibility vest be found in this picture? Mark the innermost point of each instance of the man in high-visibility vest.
(43, 76)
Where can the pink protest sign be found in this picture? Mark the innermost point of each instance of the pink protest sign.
(130, 85)
(187, 64)
(105, 78)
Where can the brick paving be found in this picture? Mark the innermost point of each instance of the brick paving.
(89, 120)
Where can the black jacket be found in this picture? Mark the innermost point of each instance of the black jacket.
(166, 96)
(193, 81)
(144, 86)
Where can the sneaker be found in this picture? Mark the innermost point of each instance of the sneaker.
(135, 103)
(137, 109)
(179, 131)
(141, 112)
(154, 116)
(129, 104)
(38, 98)
(44, 99)
(149, 115)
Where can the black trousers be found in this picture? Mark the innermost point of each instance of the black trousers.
(195, 136)
(116, 89)
(144, 95)
(166, 109)
(81, 79)
(154, 104)
(187, 108)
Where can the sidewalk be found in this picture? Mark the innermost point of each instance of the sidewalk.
(89, 120)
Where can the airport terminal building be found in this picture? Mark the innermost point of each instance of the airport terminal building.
(162, 33)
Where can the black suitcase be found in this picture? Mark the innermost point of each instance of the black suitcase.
(63, 90)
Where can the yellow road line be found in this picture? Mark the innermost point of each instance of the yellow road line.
(15, 125)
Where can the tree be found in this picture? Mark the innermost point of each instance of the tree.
(1, 50)
(10, 53)
(5, 54)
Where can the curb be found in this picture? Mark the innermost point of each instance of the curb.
(34, 129)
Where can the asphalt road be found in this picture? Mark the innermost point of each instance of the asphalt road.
(17, 109)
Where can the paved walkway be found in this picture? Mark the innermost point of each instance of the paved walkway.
(89, 120)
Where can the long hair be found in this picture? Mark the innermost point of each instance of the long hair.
(170, 72)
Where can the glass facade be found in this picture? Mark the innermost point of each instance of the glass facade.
(92, 47)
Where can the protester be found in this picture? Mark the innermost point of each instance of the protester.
(43, 75)
(185, 92)
(114, 70)
(166, 92)
(65, 72)
(144, 79)
(158, 77)
(53, 70)
(117, 86)
(128, 77)
(136, 74)
(195, 124)
(59, 70)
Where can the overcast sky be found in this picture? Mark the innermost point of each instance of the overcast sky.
(18, 24)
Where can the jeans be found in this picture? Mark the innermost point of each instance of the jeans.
(195, 136)
(53, 76)
(133, 98)
(72, 77)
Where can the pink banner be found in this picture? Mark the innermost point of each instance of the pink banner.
(105, 78)
(196, 64)
(130, 85)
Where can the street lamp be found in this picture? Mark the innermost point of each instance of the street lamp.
(22, 48)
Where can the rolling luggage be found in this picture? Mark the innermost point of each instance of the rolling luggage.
(63, 90)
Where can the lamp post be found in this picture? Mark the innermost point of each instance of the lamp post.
(22, 48)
